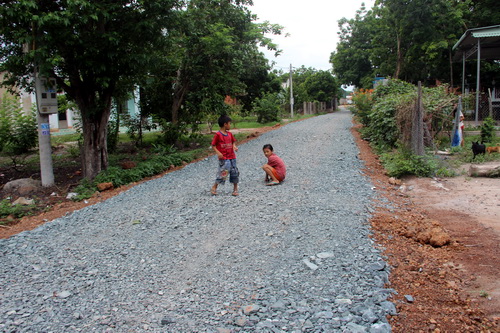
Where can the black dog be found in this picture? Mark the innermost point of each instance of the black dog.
(478, 148)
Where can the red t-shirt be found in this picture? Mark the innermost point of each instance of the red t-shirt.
(277, 163)
(224, 144)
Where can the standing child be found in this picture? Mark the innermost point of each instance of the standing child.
(275, 168)
(224, 145)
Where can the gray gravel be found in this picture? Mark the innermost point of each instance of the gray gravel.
(166, 256)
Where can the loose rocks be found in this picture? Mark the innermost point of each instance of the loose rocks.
(166, 256)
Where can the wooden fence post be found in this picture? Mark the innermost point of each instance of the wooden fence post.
(417, 137)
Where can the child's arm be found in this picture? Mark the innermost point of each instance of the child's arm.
(219, 154)
(234, 146)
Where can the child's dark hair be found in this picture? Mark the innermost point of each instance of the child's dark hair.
(223, 119)
(268, 146)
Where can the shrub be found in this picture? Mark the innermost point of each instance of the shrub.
(84, 191)
(17, 211)
(383, 130)
(488, 130)
(18, 130)
(119, 177)
(363, 105)
(402, 163)
(267, 108)
(392, 87)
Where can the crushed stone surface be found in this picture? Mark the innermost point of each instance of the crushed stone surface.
(167, 256)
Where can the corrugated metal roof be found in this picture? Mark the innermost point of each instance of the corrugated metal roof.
(490, 43)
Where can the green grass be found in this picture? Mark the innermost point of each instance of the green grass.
(147, 137)
(252, 124)
(60, 139)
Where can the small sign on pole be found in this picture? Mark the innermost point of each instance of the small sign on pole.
(46, 95)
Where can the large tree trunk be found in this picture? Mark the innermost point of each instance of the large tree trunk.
(95, 151)
(180, 90)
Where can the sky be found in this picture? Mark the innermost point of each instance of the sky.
(312, 26)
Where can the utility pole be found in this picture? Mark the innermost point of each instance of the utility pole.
(291, 93)
(46, 104)
(45, 99)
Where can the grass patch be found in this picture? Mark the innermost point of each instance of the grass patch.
(15, 211)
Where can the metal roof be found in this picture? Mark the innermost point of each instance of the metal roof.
(490, 43)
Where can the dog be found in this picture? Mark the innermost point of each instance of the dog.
(493, 149)
(478, 148)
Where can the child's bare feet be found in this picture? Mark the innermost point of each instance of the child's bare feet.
(213, 190)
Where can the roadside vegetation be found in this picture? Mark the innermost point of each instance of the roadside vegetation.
(385, 114)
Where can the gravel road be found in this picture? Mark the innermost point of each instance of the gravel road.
(166, 256)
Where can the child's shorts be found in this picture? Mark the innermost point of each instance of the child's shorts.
(227, 168)
(278, 176)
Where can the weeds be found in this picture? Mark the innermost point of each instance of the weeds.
(16, 211)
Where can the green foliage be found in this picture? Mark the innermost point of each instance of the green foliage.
(411, 40)
(219, 58)
(488, 130)
(382, 128)
(153, 166)
(17, 211)
(363, 102)
(321, 86)
(18, 130)
(236, 114)
(351, 61)
(63, 104)
(171, 133)
(84, 190)
(112, 132)
(403, 163)
(163, 150)
(393, 87)
(136, 125)
(95, 50)
(267, 108)
(387, 112)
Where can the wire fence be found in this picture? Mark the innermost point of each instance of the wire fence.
(487, 107)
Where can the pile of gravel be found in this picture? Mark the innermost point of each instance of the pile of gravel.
(166, 256)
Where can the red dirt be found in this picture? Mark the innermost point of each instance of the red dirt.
(455, 288)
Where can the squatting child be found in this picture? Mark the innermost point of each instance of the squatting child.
(224, 145)
(275, 167)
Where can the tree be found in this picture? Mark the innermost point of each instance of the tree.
(211, 53)
(321, 87)
(411, 40)
(481, 13)
(300, 76)
(92, 48)
(351, 61)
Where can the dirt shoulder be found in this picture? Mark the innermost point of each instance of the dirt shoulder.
(453, 288)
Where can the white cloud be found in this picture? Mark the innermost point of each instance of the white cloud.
(312, 26)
